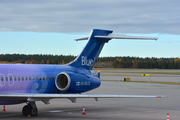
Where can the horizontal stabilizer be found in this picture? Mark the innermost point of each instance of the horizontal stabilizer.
(116, 36)
(85, 38)
(119, 36)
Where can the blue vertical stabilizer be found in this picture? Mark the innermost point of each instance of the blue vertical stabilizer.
(88, 56)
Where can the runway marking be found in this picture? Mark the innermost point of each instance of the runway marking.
(69, 112)
(57, 111)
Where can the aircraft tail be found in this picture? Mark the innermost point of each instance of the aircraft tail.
(96, 41)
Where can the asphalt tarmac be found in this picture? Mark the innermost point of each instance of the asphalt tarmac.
(110, 108)
(156, 75)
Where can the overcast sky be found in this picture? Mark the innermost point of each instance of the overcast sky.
(64, 19)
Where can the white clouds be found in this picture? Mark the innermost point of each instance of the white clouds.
(138, 16)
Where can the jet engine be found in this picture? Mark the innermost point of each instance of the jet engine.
(75, 82)
(63, 81)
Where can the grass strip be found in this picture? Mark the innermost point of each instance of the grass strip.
(168, 83)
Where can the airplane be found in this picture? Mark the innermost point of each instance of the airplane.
(28, 83)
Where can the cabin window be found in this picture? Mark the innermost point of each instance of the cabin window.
(36, 78)
(6, 78)
(49, 77)
(2, 79)
(46, 78)
(53, 78)
(40, 78)
(43, 78)
(26, 78)
(14, 78)
(19, 78)
(10, 78)
(22, 78)
(29, 78)
(33, 78)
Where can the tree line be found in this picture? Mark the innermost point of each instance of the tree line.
(36, 59)
(102, 62)
(136, 62)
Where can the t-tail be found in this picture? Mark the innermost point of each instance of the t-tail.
(96, 41)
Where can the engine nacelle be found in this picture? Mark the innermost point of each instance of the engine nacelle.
(76, 82)
(63, 81)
